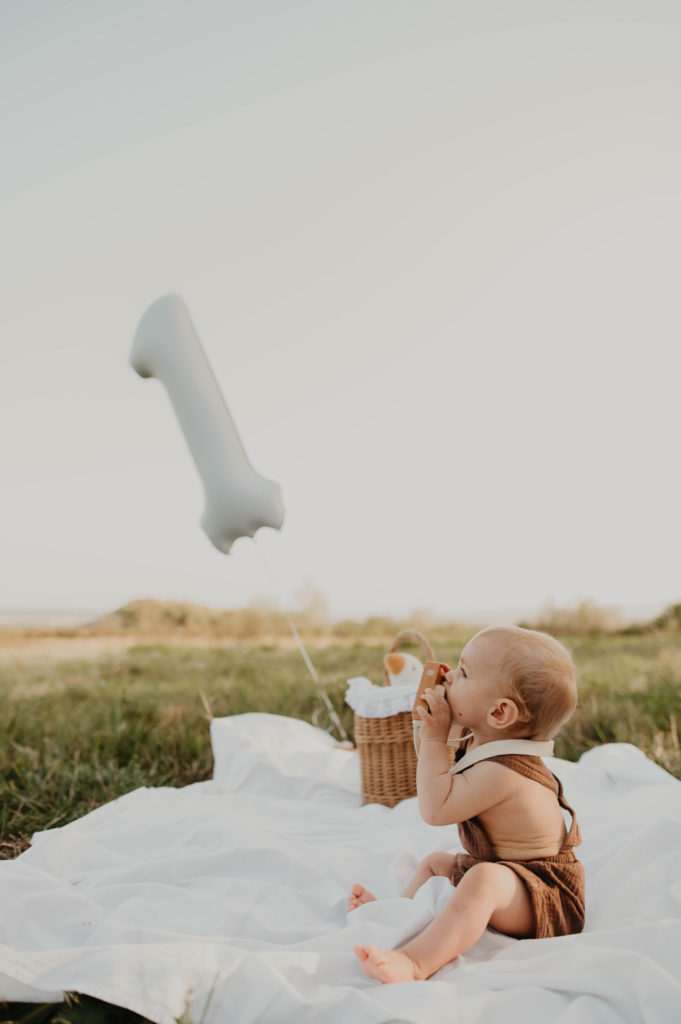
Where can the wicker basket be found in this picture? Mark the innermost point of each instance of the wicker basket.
(387, 757)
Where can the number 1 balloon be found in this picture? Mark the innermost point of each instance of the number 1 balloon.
(238, 501)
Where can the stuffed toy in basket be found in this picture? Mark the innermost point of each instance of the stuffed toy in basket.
(384, 733)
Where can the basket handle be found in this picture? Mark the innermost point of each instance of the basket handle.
(410, 634)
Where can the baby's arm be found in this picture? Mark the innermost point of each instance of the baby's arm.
(446, 799)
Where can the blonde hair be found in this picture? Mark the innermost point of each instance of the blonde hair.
(538, 674)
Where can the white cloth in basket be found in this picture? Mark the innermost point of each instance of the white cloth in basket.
(371, 701)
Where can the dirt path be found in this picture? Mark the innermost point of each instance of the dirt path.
(60, 648)
(15, 647)
(51, 648)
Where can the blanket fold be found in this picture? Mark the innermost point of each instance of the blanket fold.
(228, 898)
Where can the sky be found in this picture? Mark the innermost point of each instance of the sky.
(431, 250)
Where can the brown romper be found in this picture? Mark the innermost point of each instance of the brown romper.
(555, 884)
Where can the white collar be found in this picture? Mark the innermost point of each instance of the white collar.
(533, 747)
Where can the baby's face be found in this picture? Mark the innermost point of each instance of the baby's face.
(473, 686)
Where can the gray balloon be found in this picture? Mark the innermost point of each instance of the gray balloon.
(238, 501)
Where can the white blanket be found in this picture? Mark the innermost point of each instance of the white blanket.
(229, 897)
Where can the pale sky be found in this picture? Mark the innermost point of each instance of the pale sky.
(432, 252)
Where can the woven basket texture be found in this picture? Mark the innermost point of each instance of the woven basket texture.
(387, 757)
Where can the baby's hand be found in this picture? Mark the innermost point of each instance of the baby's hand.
(435, 722)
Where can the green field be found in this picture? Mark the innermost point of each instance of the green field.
(77, 733)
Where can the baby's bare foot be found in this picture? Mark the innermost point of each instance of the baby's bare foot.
(387, 966)
(358, 896)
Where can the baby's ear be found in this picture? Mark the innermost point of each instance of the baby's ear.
(504, 713)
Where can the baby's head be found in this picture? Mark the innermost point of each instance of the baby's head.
(536, 672)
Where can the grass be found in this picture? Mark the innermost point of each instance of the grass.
(630, 692)
(77, 733)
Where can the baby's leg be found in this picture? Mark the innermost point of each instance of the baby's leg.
(434, 864)
(487, 894)
(437, 863)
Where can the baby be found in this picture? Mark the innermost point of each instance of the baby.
(512, 691)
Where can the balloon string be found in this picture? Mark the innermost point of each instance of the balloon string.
(303, 650)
